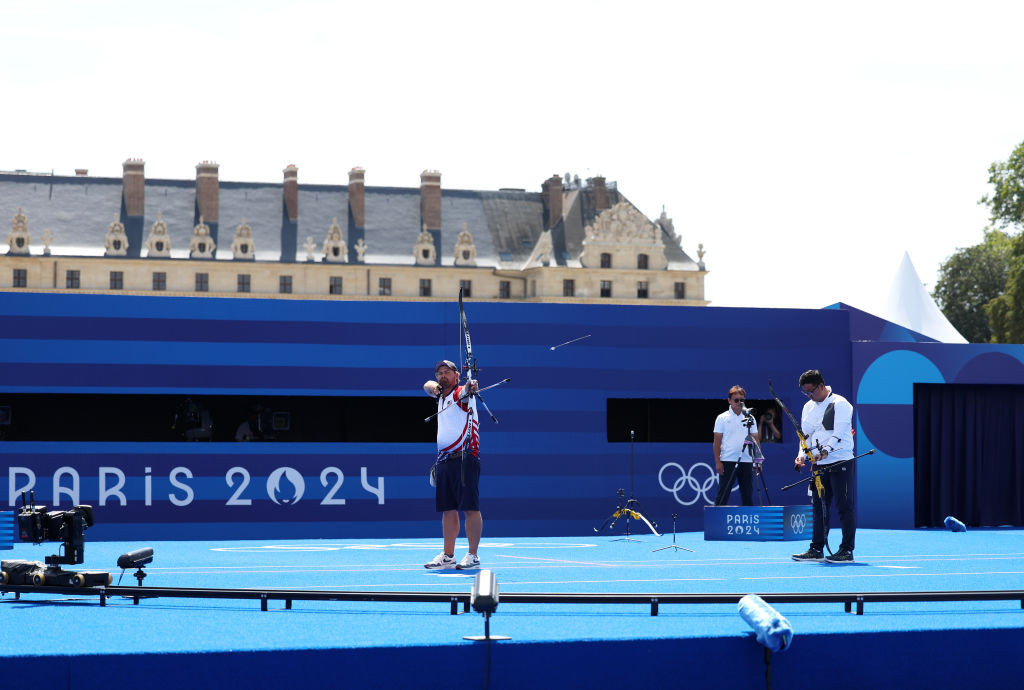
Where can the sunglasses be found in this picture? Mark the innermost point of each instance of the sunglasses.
(739, 400)
(808, 393)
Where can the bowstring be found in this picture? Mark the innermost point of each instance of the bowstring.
(463, 351)
(464, 362)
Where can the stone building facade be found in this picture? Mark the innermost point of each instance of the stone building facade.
(574, 241)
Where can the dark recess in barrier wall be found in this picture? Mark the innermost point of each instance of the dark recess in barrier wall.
(113, 417)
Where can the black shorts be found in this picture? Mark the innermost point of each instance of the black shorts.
(450, 494)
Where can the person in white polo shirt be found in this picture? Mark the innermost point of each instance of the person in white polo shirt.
(732, 462)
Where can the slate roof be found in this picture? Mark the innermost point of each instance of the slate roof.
(505, 224)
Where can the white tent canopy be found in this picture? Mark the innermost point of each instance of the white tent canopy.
(909, 305)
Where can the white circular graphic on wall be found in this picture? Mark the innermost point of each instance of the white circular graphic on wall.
(285, 486)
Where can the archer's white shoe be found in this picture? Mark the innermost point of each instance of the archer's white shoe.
(441, 560)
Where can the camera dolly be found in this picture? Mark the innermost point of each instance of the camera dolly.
(38, 575)
(38, 525)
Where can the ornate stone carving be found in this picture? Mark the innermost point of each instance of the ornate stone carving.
(201, 246)
(465, 250)
(700, 256)
(424, 251)
(116, 241)
(625, 233)
(242, 246)
(335, 249)
(47, 240)
(19, 239)
(361, 250)
(310, 248)
(158, 244)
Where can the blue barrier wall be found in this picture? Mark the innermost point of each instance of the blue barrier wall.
(884, 378)
(549, 468)
(6, 530)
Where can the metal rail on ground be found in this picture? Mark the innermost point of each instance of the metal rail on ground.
(848, 599)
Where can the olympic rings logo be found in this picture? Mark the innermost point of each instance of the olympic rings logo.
(798, 522)
(688, 480)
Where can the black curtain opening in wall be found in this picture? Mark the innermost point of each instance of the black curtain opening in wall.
(968, 454)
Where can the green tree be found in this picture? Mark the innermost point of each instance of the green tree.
(1006, 312)
(970, 279)
(1007, 200)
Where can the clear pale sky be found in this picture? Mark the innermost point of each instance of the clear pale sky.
(807, 145)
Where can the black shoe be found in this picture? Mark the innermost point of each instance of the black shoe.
(809, 555)
(841, 556)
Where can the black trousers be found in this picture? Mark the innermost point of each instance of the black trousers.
(838, 487)
(744, 475)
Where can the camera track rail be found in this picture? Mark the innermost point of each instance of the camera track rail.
(264, 596)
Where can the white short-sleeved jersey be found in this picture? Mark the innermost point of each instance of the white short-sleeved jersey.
(456, 428)
(830, 424)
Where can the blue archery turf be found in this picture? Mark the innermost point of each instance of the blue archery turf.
(913, 560)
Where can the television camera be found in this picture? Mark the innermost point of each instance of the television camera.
(38, 525)
(266, 424)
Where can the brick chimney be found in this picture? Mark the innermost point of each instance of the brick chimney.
(208, 197)
(552, 192)
(601, 201)
(553, 200)
(133, 204)
(430, 208)
(356, 212)
(290, 214)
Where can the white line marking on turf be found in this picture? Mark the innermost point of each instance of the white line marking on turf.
(850, 574)
(533, 563)
(518, 584)
(554, 560)
(286, 548)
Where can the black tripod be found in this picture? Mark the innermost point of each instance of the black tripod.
(750, 447)
(673, 545)
(631, 508)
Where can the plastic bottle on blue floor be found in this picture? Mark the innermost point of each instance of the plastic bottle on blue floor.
(954, 525)
(772, 629)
